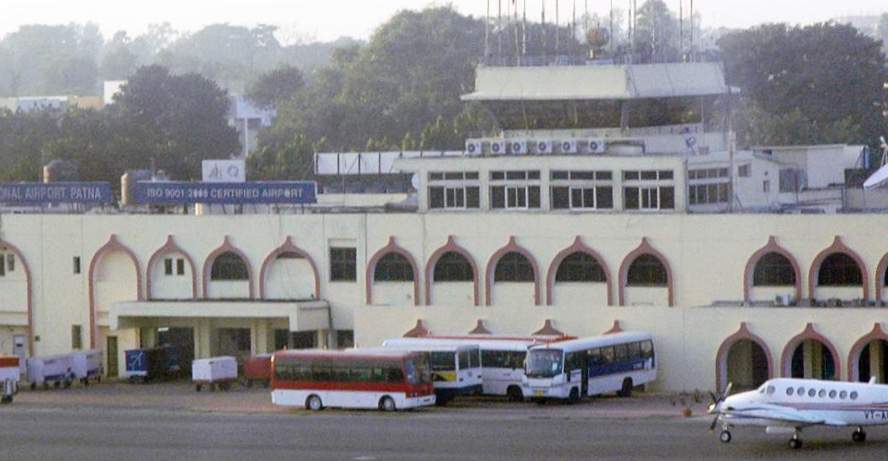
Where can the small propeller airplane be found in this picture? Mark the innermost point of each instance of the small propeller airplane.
(788, 405)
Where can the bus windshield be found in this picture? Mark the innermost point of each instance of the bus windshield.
(544, 363)
(443, 361)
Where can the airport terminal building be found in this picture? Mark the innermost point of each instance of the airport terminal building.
(628, 209)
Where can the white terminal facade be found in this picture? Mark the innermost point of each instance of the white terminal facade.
(611, 199)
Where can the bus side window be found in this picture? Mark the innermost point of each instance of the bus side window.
(475, 359)
(377, 375)
(516, 360)
(489, 359)
(595, 358)
(607, 355)
(393, 374)
(635, 351)
(621, 352)
(647, 349)
(573, 361)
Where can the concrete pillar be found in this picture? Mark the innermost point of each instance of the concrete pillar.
(875, 359)
(148, 336)
(202, 339)
(322, 336)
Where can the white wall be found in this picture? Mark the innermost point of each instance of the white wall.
(289, 278)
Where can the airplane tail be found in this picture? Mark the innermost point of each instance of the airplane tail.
(873, 380)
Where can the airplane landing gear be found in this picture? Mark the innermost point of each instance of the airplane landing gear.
(859, 435)
(725, 436)
(795, 442)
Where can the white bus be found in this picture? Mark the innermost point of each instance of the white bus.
(456, 368)
(571, 370)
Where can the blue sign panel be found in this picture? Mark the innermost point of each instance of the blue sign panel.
(29, 194)
(177, 193)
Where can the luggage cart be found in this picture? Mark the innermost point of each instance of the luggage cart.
(146, 365)
(55, 370)
(257, 369)
(9, 377)
(88, 366)
(215, 372)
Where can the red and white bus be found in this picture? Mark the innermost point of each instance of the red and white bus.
(385, 380)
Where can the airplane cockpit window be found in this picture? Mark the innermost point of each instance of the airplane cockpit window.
(832, 394)
(812, 392)
(771, 390)
(843, 395)
(822, 393)
(854, 395)
(790, 391)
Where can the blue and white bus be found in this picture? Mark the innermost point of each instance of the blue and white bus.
(571, 370)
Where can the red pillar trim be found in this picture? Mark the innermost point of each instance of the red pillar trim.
(450, 246)
(170, 247)
(111, 246)
(548, 329)
(880, 277)
(808, 333)
(226, 247)
(418, 331)
(877, 333)
(391, 247)
(288, 248)
(721, 358)
(645, 248)
(480, 329)
(510, 247)
(837, 247)
(616, 328)
(771, 247)
(29, 286)
(577, 247)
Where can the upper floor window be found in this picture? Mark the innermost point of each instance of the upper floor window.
(515, 190)
(393, 267)
(704, 194)
(229, 267)
(514, 267)
(580, 267)
(343, 264)
(647, 271)
(454, 190)
(649, 190)
(453, 267)
(7, 264)
(174, 266)
(773, 270)
(648, 175)
(708, 173)
(582, 190)
(839, 269)
(744, 171)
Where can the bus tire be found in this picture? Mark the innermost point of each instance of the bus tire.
(574, 396)
(387, 404)
(313, 403)
(515, 394)
(626, 390)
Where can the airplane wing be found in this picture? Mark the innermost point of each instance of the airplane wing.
(781, 415)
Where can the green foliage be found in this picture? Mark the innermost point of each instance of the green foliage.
(293, 160)
(758, 127)
(828, 74)
(276, 86)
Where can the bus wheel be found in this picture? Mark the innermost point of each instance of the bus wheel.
(515, 394)
(387, 404)
(626, 390)
(314, 403)
(574, 396)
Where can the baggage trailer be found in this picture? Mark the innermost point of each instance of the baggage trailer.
(9, 378)
(214, 372)
(56, 370)
(146, 365)
(88, 366)
(257, 369)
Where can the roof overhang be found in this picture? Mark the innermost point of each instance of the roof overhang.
(301, 315)
(594, 82)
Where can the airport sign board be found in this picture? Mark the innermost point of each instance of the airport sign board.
(37, 194)
(227, 193)
(224, 170)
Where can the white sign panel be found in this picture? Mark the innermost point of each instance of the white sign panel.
(224, 171)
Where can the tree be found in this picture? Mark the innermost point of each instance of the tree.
(831, 74)
(656, 36)
(756, 127)
(295, 160)
(276, 86)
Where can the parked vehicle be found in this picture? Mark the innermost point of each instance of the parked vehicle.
(456, 368)
(9, 378)
(571, 370)
(214, 372)
(387, 380)
(88, 366)
(257, 370)
(145, 365)
(55, 370)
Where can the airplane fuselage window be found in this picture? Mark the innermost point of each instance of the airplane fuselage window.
(790, 391)
(854, 395)
(771, 390)
(812, 393)
(843, 394)
(832, 394)
(801, 392)
(822, 393)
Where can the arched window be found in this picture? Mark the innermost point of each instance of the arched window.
(229, 267)
(580, 267)
(773, 270)
(647, 271)
(453, 267)
(839, 269)
(393, 267)
(513, 267)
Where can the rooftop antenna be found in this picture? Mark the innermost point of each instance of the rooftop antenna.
(557, 32)
(524, 30)
(692, 33)
(543, 26)
(611, 30)
(516, 26)
(487, 32)
(573, 27)
(681, 28)
(499, 26)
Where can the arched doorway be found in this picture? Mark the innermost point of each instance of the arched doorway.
(744, 360)
(873, 361)
(810, 355)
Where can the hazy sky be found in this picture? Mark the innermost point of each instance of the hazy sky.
(329, 19)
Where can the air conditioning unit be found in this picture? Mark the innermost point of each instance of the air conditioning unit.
(518, 147)
(568, 146)
(543, 147)
(473, 147)
(597, 146)
(497, 147)
(783, 300)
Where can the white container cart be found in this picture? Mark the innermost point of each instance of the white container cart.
(214, 372)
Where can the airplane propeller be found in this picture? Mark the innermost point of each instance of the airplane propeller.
(715, 406)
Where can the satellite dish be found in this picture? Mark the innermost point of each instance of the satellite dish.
(414, 181)
(877, 179)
